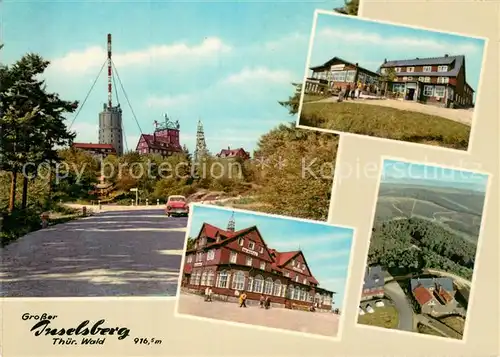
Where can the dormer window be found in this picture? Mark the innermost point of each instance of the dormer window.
(427, 69)
(410, 69)
(251, 245)
(442, 68)
(397, 69)
(261, 250)
(241, 241)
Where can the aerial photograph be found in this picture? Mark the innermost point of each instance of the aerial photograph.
(391, 81)
(264, 270)
(130, 124)
(423, 249)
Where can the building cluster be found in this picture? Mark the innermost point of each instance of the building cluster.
(232, 262)
(439, 81)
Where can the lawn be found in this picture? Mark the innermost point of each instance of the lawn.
(313, 97)
(385, 122)
(428, 331)
(457, 323)
(386, 316)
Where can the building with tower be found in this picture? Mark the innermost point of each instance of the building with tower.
(110, 127)
(164, 140)
(233, 261)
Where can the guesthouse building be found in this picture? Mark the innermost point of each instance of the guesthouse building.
(238, 153)
(435, 296)
(164, 141)
(438, 80)
(231, 262)
(337, 74)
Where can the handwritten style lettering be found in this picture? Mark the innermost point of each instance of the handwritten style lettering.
(42, 327)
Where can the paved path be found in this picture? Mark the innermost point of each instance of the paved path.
(116, 253)
(319, 323)
(405, 311)
(463, 116)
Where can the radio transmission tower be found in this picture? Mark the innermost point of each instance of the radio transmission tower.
(201, 146)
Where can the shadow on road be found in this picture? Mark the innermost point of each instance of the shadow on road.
(120, 253)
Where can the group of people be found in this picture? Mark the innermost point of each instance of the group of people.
(350, 93)
(264, 302)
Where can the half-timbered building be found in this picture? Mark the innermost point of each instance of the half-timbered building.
(232, 262)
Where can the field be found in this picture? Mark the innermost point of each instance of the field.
(455, 209)
(385, 122)
(386, 317)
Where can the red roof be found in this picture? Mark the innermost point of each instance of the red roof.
(444, 294)
(233, 152)
(90, 146)
(159, 142)
(422, 295)
(279, 258)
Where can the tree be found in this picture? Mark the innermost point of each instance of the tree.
(388, 75)
(293, 102)
(351, 7)
(32, 121)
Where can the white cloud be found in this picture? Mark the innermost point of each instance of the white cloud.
(85, 132)
(258, 75)
(359, 37)
(81, 62)
(286, 42)
(246, 79)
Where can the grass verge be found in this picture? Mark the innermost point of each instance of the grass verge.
(386, 317)
(388, 123)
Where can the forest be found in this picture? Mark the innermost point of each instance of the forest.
(417, 244)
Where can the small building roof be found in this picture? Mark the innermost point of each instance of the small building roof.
(374, 277)
(422, 295)
(338, 59)
(428, 283)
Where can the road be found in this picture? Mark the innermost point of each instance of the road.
(318, 323)
(115, 253)
(405, 311)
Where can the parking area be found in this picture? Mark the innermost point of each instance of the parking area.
(319, 323)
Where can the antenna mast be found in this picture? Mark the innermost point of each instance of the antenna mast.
(110, 75)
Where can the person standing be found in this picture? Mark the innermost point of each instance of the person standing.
(347, 92)
(261, 301)
(207, 289)
(243, 299)
(209, 294)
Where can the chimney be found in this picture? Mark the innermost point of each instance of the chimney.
(229, 148)
(385, 60)
(356, 64)
(446, 55)
(154, 136)
(417, 58)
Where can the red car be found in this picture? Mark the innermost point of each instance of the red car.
(177, 206)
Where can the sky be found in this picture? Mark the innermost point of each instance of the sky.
(432, 175)
(226, 63)
(326, 248)
(368, 43)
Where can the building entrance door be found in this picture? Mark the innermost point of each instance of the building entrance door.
(410, 94)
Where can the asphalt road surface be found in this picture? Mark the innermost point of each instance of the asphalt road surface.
(318, 323)
(116, 253)
(405, 311)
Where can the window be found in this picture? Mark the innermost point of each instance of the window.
(427, 79)
(410, 69)
(287, 274)
(261, 250)
(293, 262)
(421, 79)
(442, 68)
(350, 75)
(189, 259)
(202, 241)
(296, 294)
(199, 257)
(241, 241)
(409, 78)
(262, 265)
(310, 297)
(383, 71)
(291, 292)
(248, 261)
(232, 257)
(250, 283)
(268, 286)
(304, 281)
(398, 87)
(191, 279)
(210, 278)
(443, 79)
(197, 278)
(302, 294)
(277, 288)
(251, 245)
(258, 284)
(339, 76)
(222, 279)
(211, 254)
(428, 91)
(238, 281)
(303, 267)
(204, 278)
(296, 278)
(397, 69)
(427, 69)
(439, 91)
